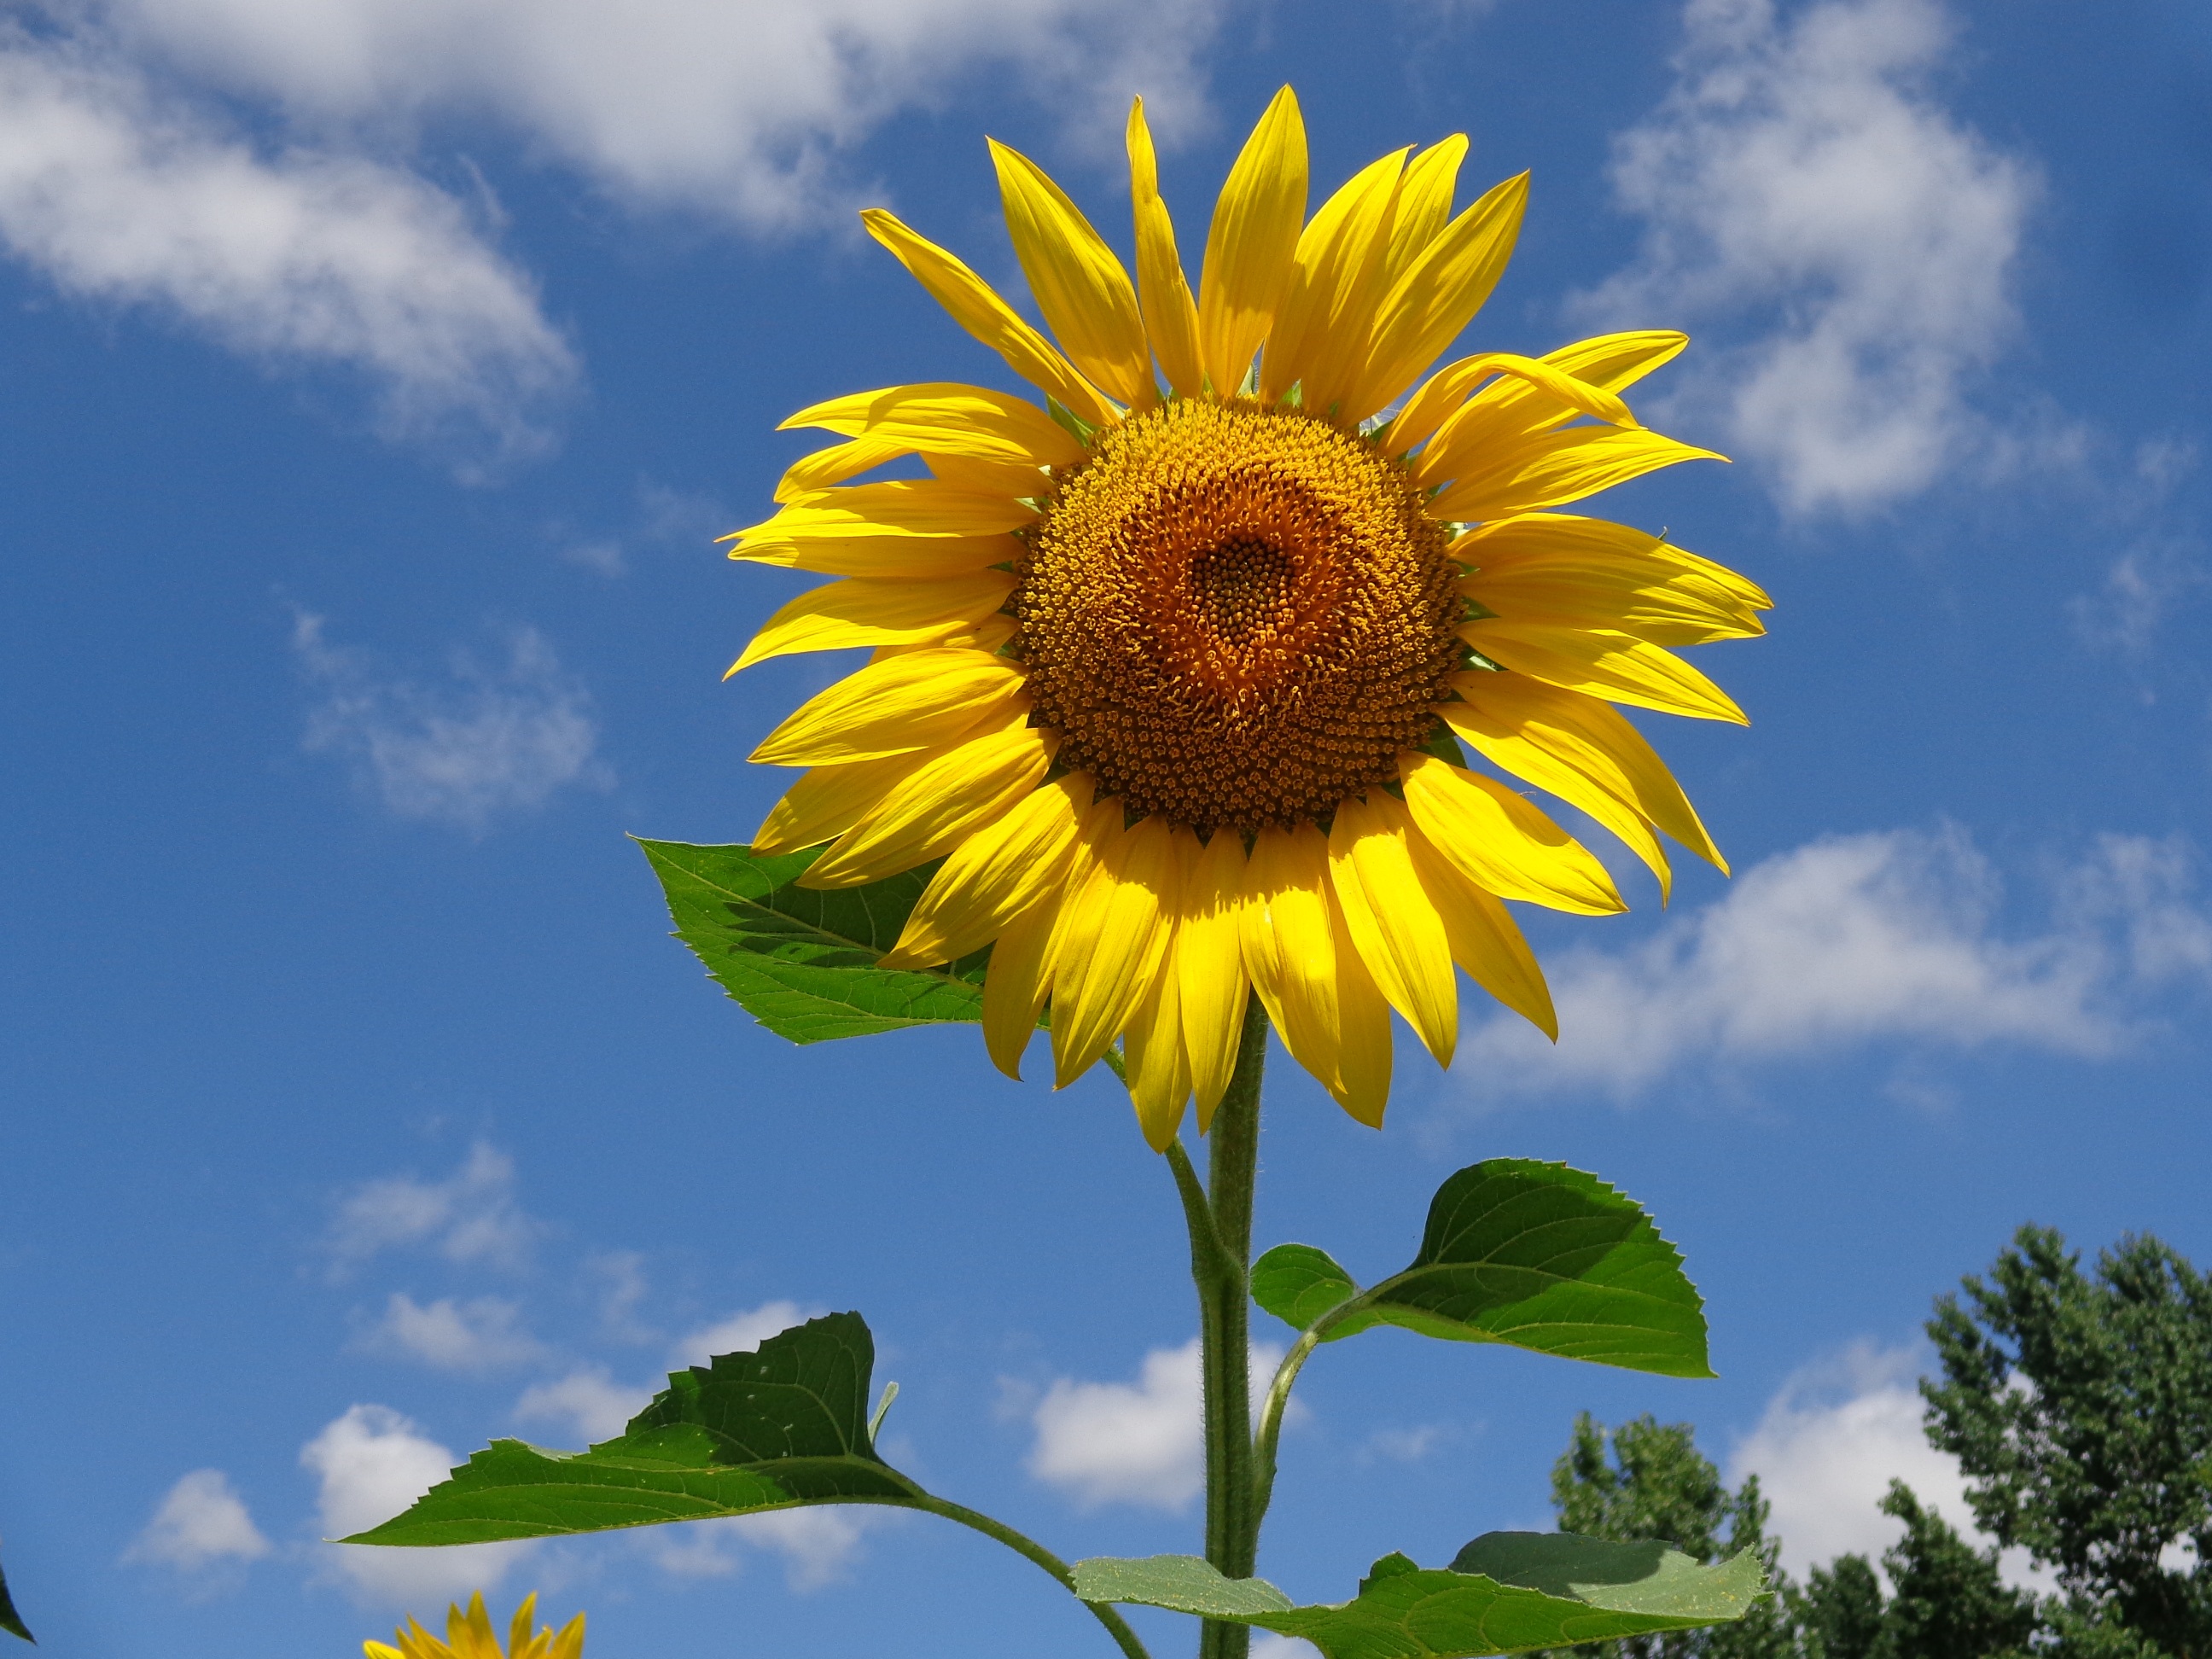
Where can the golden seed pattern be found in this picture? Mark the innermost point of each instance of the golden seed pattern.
(1237, 614)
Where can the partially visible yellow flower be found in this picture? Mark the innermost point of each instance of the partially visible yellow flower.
(1174, 680)
(470, 1636)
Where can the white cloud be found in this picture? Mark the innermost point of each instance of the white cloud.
(1121, 1443)
(589, 1401)
(2157, 570)
(482, 1335)
(471, 1217)
(301, 253)
(201, 1523)
(488, 742)
(817, 1545)
(740, 109)
(748, 1328)
(372, 1463)
(1802, 180)
(1266, 1645)
(1856, 939)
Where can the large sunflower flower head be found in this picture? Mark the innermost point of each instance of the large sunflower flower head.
(470, 1635)
(1173, 670)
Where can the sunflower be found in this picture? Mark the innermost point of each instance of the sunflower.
(470, 1636)
(1175, 682)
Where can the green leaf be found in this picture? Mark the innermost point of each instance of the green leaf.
(770, 1429)
(1504, 1593)
(804, 962)
(1536, 1256)
(1298, 1284)
(11, 1620)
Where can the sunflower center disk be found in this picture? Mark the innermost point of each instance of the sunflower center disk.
(1236, 615)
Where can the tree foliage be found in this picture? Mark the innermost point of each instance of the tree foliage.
(2080, 1406)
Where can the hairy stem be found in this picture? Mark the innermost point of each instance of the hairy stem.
(1220, 1264)
(1271, 1422)
(1116, 1627)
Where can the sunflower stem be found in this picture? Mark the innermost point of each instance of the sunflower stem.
(1220, 1262)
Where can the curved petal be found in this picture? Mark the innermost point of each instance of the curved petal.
(1484, 939)
(1552, 468)
(1423, 205)
(936, 807)
(1438, 296)
(1395, 929)
(833, 465)
(1289, 931)
(979, 310)
(922, 508)
(994, 875)
(857, 611)
(1563, 536)
(1170, 313)
(1502, 842)
(1210, 962)
(1441, 403)
(1018, 981)
(1111, 942)
(1576, 747)
(1513, 410)
(1364, 1028)
(1252, 244)
(943, 417)
(1075, 279)
(1159, 1070)
(1322, 328)
(830, 799)
(905, 702)
(1017, 481)
(1609, 665)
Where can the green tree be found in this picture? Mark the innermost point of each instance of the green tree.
(1657, 1483)
(1949, 1602)
(1839, 1613)
(2080, 1406)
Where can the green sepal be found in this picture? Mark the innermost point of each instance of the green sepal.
(1504, 1593)
(1083, 432)
(803, 963)
(11, 1620)
(1535, 1255)
(1298, 1284)
(774, 1428)
(1444, 743)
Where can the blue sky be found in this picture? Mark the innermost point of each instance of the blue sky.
(375, 380)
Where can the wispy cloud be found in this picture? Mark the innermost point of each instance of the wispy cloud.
(485, 742)
(296, 254)
(370, 1464)
(471, 1217)
(818, 1547)
(1857, 940)
(588, 1403)
(482, 1334)
(1804, 190)
(1142, 1444)
(202, 1528)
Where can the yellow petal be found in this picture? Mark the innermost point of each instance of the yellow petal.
(1323, 325)
(885, 558)
(1075, 279)
(1396, 930)
(1170, 313)
(1564, 536)
(1016, 983)
(519, 1632)
(1586, 573)
(1484, 940)
(977, 308)
(1210, 962)
(1159, 1067)
(1576, 747)
(1363, 1028)
(380, 1650)
(1514, 409)
(1424, 206)
(943, 417)
(569, 1644)
(474, 1627)
(1015, 480)
(905, 703)
(858, 612)
(994, 875)
(903, 507)
(1438, 296)
(1439, 406)
(1111, 943)
(1502, 842)
(833, 465)
(1553, 467)
(936, 807)
(830, 799)
(1253, 242)
(1614, 667)
(1289, 949)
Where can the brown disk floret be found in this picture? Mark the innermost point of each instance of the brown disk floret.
(1237, 614)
